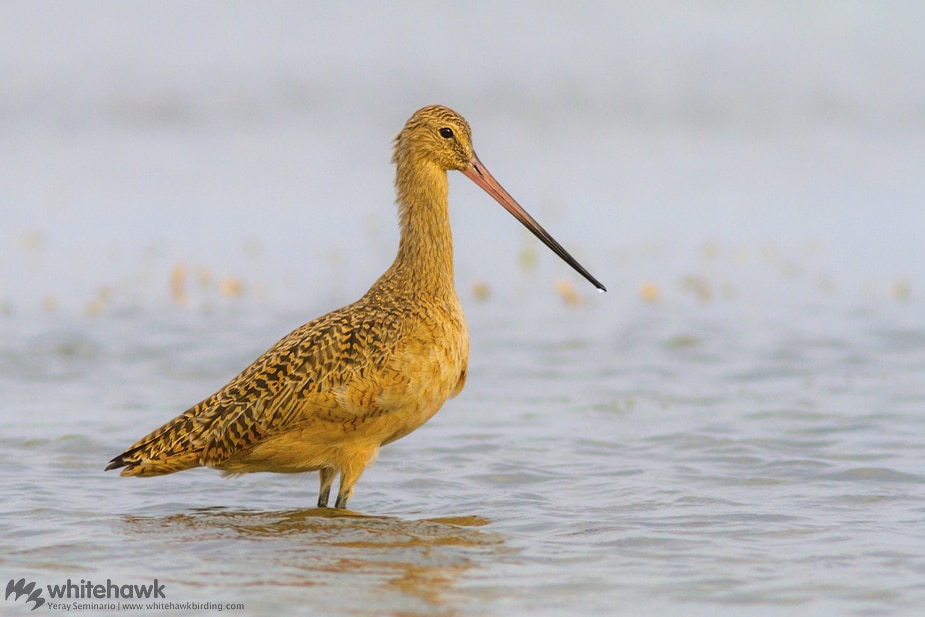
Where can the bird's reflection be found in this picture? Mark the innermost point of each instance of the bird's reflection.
(404, 566)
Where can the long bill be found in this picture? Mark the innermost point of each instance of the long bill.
(477, 172)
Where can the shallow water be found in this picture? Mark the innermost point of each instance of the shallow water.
(675, 456)
(735, 428)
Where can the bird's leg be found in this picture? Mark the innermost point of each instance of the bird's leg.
(347, 482)
(326, 475)
(351, 468)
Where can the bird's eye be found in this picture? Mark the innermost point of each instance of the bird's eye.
(446, 132)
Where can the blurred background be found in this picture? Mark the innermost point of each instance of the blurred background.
(198, 153)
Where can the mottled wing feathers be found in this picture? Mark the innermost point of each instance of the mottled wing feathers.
(315, 374)
(160, 452)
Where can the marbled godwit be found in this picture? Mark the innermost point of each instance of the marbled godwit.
(328, 395)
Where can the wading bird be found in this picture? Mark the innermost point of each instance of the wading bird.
(329, 394)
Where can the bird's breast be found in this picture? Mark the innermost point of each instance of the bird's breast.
(426, 365)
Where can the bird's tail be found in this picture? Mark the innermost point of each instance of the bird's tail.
(168, 449)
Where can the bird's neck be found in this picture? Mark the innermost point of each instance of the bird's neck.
(425, 250)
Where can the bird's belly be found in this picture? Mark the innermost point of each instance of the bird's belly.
(326, 443)
(288, 452)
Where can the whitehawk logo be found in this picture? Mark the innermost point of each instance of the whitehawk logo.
(20, 588)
